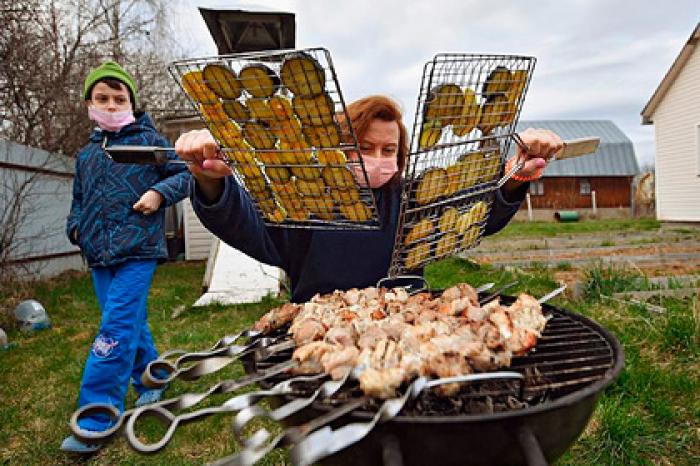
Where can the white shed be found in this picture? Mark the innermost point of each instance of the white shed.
(674, 110)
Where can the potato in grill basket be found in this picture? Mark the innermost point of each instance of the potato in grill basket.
(321, 207)
(260, 110)
(345, 196)
(314, 111)
(194, 86)
(430, 134)
(303, 75)
(290, 132)
(331, 157)
(456, 175)
(258, 135)
(422, 229)
(236, 110)
(213, 113)
(431, 186)
(444, 104)
(286, 189)
(446, 245)
(448, 220)
(498, 82)
(470, 237)
(497, 111)
(281, 107)
(357, 212)
(470, 116)
(417, 255)
(338, 177)
(314, 187)
(322, 136)
(222, 80)
(259, 80)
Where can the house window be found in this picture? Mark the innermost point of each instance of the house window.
(585, 186)
(537, 188)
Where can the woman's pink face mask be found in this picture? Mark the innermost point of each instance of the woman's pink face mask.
(379, 151)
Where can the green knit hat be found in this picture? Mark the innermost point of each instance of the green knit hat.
(109, 69)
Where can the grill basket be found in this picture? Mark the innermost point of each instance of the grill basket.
(278, 117)
(467, 111)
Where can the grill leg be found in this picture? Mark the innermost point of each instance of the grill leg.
(391, 451)
(531, 447)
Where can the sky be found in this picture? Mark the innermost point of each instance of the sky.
(595, 59)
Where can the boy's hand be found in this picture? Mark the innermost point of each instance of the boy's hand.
(149, 202)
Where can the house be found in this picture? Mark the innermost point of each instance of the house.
(600, 181)
(674, 110)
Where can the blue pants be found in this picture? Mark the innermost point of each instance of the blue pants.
(124, 345)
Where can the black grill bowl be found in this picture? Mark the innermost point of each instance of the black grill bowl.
(535, 435)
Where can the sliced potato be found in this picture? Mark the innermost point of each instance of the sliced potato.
(260, 110)
(431, 186)
(286, 189)
(259, 80)
(470, 116)
(338, 177)
(213, 113)
(430, 134)
(497, 82)
(446, 245)
(255, 184)
(222, 80)
(455, 177)
(478, 212)
(417, 255)
(518, 86)
(357, 212)
(323, 136)
(345, 196)
(249, 170)
(444, 103)
(281, 107)
(303, 75)
(424, 228)
(278, 174)
(464, 222)
(448, 220)
(470, 237)
(299, 215)
(322, 207)
(331, 157)
(314, 111)
(277, 216)
(314, 187)
(236, 110)
(227, 133)
(290, 132)
(257, 135)
(194, 86)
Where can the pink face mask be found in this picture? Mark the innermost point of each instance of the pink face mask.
(379, 170)
(110, 121)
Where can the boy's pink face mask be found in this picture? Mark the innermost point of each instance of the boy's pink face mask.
(110, 121)
(379, 170)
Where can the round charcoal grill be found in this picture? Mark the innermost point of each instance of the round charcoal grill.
(493, 423)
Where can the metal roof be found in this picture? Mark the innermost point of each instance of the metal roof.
(615, 156)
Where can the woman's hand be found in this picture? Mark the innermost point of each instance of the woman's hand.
(200, 148)
(542, 145)
(149, 202)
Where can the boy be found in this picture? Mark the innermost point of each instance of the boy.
(117, 220)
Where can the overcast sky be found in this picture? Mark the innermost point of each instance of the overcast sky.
(595, 59)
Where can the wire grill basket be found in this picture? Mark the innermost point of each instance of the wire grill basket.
(466, 114)
(279, 118)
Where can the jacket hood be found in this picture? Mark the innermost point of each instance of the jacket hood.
(143, 123)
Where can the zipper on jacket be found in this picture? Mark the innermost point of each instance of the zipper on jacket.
(105, 239)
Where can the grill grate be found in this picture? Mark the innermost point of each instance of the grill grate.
(569, 356)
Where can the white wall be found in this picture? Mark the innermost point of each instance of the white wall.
(197, 238)
(676, 121)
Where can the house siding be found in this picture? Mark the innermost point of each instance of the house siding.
(676, 121)
(564, 193)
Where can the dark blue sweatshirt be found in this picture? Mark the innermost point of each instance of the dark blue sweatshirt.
(318, 261)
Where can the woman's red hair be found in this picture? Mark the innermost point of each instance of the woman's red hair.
(363, 111)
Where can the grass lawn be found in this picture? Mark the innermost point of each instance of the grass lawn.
(649, 416)
(540, 229)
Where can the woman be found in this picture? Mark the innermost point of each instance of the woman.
(322, 261)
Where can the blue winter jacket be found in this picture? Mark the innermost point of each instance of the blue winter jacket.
(109, 231)
(320, 261)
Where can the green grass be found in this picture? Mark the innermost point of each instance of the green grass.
(550, 229)
(649, 416)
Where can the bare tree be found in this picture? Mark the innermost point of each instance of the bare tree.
(48, 47)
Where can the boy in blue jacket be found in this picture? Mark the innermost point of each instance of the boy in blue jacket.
(117, 219)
